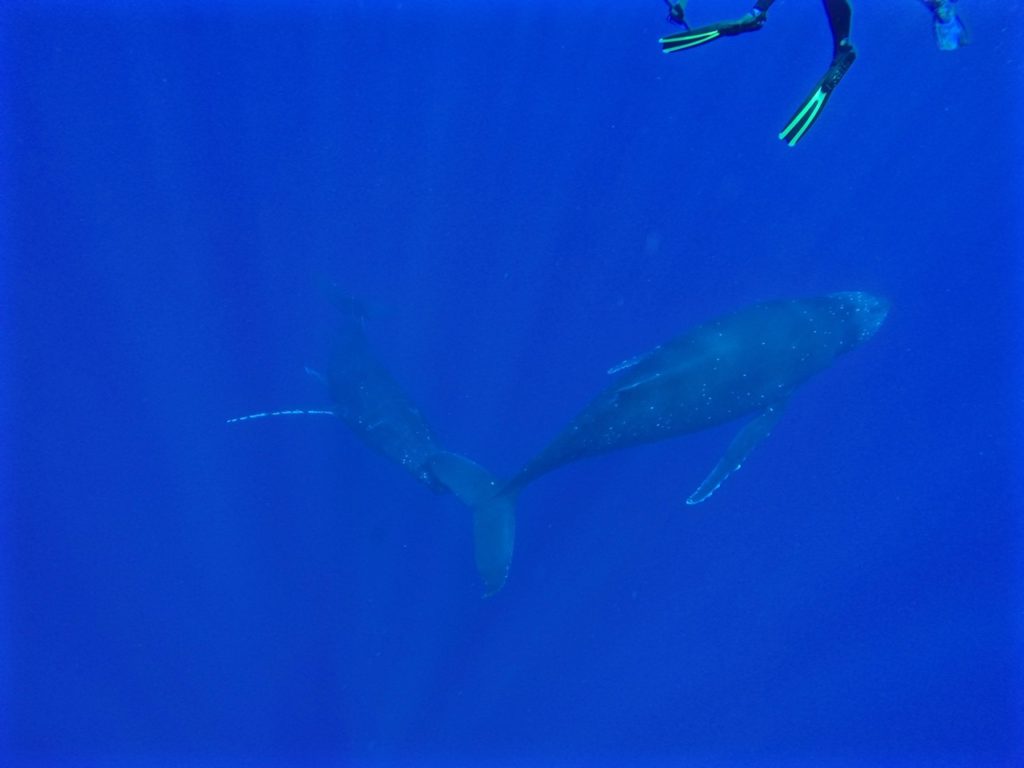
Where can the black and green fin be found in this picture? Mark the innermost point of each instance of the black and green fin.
(811, 109)
(691, 38)
(805, 117)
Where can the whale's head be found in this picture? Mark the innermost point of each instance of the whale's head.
(864, 315)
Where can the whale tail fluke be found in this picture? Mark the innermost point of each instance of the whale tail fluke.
(494, 514)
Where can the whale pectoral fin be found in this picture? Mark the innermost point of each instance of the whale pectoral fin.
(741, 446)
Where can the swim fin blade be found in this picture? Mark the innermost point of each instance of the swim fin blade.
(691, 38)
(810, 110)
(804, 117)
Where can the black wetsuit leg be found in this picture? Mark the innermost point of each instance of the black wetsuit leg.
(838, 12)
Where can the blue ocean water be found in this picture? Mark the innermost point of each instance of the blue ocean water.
(523, 195)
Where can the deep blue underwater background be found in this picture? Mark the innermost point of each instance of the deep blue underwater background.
(524, 194)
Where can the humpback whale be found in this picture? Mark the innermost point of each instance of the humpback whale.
(742, 364)
(369, 400)
(376, 408)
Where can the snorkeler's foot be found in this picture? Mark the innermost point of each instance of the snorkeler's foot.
(809, 111)
(691, 38)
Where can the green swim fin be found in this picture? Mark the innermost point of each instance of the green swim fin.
(811, 108)
(691, 38)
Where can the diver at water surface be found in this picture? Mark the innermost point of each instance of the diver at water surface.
(843, 53)
(950, 34)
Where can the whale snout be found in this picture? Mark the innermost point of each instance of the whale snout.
(867, 311)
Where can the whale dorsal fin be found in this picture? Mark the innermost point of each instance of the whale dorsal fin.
(738, 450)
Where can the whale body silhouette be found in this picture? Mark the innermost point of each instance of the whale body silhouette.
(742, 364)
